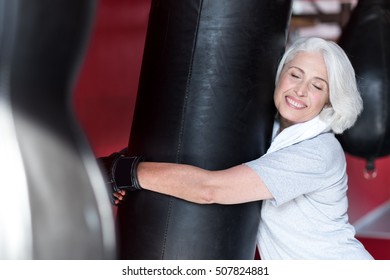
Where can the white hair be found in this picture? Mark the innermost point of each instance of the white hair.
(345, 100)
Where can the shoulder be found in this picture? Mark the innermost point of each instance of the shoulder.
(327, 152)
(321, 153)
(304, 167)
(325, 145)
(327, 139)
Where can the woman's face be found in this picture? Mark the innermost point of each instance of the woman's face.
(302, 90)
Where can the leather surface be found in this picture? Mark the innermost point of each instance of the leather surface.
(366, 40)
(205, 98)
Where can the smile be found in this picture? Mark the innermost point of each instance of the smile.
(294, 103)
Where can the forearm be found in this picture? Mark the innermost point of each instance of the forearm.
(238, 184)
(183, 181)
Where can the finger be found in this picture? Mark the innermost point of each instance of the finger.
(118, 195)
(114, 201)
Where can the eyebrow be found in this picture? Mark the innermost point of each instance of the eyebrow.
(301, 70)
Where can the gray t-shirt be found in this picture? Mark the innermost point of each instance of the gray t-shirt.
(307, 218)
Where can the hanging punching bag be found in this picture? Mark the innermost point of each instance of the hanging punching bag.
(366, 40)
(205, 98)
(53, 200)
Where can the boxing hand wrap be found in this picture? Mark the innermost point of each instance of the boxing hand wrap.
(121, 172)
(124, 173)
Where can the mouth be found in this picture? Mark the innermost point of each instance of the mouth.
(295, 103)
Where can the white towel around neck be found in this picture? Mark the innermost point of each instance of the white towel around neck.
(296, 133)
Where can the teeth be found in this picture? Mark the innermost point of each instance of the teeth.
(294, 103)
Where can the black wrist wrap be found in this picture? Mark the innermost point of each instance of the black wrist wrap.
(124, 173)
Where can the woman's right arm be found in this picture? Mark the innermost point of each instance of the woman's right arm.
(234, 185)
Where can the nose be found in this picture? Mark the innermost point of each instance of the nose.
(301, 89)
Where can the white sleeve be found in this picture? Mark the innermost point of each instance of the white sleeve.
(293, 171)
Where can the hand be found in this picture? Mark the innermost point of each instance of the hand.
(121, 174)
(118, 197)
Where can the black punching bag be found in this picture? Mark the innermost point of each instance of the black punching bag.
(366, 40)
(205, 98)
(53, 200)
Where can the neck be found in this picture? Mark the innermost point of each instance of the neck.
(284, 123)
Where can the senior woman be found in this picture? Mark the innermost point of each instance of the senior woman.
(302, 177)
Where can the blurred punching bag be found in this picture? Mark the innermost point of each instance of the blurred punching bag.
(366, 40)
(205, 98)
(53, 200)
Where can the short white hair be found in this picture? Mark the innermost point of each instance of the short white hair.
(345, 100)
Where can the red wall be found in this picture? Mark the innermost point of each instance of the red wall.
(105, 95)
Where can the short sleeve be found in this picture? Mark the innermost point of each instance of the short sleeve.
(293, 171)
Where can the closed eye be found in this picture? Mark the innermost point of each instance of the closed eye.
(319, 85)
(295, 72)
(295, 76)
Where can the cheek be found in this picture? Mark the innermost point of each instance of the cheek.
(319, 101)
(278, 95)
(277, 98)
(283, 86)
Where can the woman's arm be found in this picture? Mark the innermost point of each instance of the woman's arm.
(238, 184)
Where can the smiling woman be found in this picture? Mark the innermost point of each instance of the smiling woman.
(302, 90)
(301, 178)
